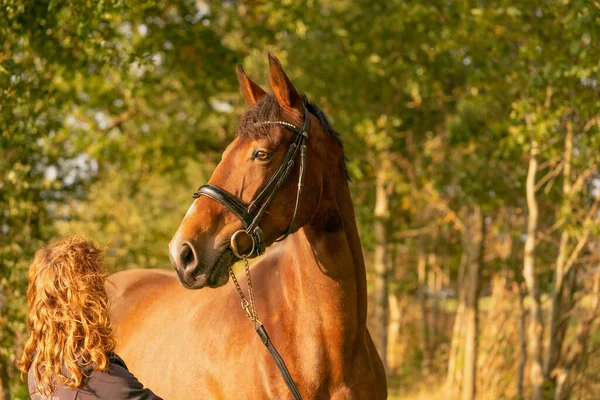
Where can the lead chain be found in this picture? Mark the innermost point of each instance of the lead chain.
(248, 306)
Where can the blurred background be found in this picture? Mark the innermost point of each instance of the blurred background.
(472, 129)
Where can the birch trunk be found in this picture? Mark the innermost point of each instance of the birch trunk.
(382, 214)
(393, 331)
(535, 329)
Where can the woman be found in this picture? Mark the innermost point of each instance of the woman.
(69, 354)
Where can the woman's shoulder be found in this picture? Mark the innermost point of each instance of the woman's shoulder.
(116, 362)
(115, 383)
(116, 371)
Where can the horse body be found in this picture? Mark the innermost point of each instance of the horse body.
(310, 289)
(198, 344)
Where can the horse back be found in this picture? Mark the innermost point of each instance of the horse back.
(132, 292)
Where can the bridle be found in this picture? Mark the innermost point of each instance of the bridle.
(252, 214)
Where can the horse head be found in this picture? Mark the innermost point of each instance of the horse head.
(253, 197)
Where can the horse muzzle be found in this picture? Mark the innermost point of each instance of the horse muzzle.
(194, 272)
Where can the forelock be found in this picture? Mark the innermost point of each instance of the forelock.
(266, 109)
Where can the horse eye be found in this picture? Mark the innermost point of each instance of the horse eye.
(262, 155)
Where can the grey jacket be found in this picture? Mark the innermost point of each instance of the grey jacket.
(114, 384)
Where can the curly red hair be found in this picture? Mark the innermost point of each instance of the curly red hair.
(68, 314)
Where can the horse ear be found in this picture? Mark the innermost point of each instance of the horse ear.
(285, 93)
(251, 91)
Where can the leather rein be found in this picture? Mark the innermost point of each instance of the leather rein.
(250, 217)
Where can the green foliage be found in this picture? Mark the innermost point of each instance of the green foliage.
(134, 220)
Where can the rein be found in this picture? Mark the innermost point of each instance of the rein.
(251, 215)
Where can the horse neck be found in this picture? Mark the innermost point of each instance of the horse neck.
(329, 269)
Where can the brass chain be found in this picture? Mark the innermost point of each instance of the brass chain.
(248, 306)
(250, 291)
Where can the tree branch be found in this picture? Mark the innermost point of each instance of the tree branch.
(592, 216)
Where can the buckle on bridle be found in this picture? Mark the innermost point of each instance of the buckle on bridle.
(234, 247)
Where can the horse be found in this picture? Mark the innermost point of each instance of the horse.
(309, 290)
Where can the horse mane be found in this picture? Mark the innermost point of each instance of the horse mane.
(267, 109)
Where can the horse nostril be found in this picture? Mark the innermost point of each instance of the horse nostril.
(187, 257)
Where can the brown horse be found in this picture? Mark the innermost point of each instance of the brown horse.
(311, 289)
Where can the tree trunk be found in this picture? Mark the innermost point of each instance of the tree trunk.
(432, 283)
(535, 329)
(4, 380)
(422, 273)
(575, 359)
(565, 282)
(458, 329)
(522, 342)
(382, 214)
(476, 226)
(554, 341)
(393, 331)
